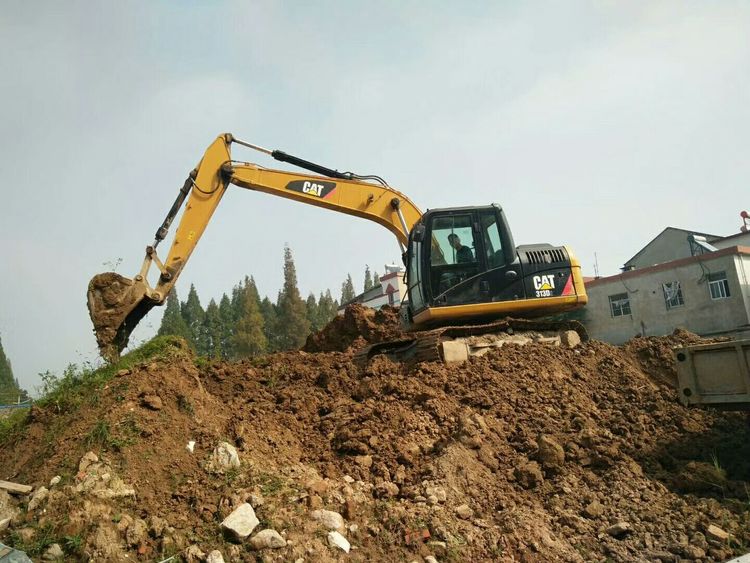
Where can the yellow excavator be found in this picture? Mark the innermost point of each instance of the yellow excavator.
(463, 270)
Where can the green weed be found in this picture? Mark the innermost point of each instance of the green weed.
(44, 537)
(270, 484)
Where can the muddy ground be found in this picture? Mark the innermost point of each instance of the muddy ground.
(532, 453)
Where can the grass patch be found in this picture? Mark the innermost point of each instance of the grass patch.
(125, 433)
(43, 538)
(99, 435)
(270, 484)
(11, 426)
(80, 385)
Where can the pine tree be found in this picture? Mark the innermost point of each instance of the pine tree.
(368, 278)
(270, 318)
(9, 391)
(313, 313)
(327, 308)
(347, 290)
(193, 314)
(249, 339)
(213, 331)
(292, 325)
(375, 280)
(226, 314)
(172, 321)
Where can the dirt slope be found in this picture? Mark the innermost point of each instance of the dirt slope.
(530, 453)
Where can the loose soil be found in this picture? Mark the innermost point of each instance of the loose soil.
(530, 453)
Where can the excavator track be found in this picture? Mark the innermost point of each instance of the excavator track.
(458, 343)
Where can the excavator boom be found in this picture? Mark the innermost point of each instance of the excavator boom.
(116, 304)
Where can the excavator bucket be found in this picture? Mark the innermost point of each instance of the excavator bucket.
(116, 305)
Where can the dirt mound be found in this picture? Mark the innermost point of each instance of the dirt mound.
(357, 327)
(655, 353)
(533, 453)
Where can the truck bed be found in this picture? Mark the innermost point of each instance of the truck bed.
(714, 375)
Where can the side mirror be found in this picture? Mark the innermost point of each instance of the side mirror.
(418, 233)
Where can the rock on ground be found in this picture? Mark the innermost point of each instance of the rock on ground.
(223, 457)
(53, 553)
(241, 522)
(39, 496)
(267, 539)
(215, 557)
(337, 540)
(329, 519)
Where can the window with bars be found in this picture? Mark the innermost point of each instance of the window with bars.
(673, 294)
(718, 285)
(619, 305)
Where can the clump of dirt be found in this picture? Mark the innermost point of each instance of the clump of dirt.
(357, 327)
(116, 304)
(529, 453)
(655, 353)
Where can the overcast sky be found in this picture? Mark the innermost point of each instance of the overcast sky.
(594, 124)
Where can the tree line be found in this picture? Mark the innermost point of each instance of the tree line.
(242, 324)
(10, 391)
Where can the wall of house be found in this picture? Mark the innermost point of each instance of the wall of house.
(649, 314)
(740, 239)
(670, 244)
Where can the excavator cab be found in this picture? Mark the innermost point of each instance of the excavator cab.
(462, 263)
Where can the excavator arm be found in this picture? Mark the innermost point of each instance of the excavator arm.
(116, 304)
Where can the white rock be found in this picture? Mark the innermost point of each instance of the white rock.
(437, 492)
(224, 457)
(241, 522)
(54, 481)
(87, 459)
(329, 519)
(464, 511)
(215, 556)
(430, 559)
(39, 496)
(267, 539)
(194, 554)
(4, 523)
(191, 448)
(337, 540)
(348, 479)
(716, 533)
(53, 553)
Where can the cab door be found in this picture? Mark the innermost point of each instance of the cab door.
(502, 277)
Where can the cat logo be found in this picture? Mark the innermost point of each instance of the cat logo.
(319, 188)
(544, 282)
(544, 285)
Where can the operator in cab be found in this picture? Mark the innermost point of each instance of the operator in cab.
(463, 253)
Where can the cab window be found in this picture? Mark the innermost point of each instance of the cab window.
(492, 243)
(453, 235)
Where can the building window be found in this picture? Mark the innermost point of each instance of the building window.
(718, 285)
(673, 294)
(619, 304)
